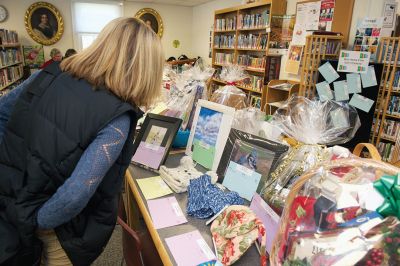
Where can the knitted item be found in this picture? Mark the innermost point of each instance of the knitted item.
(206, 199)
(178, 178)
(234, 231)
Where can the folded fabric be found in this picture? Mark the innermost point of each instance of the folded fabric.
(178, 178)
(206, 199)
(234, 231)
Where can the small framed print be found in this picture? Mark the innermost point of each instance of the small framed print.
(247, 161)
(154, 140)
(210, 129)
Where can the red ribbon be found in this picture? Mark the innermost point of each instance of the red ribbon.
(231, 83)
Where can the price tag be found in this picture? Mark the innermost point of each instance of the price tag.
(177, 209)
(205, 248)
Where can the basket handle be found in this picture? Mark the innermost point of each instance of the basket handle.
(371, 149)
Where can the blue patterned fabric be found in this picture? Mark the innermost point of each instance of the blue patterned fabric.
(206, 199)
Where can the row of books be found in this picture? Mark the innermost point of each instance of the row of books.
(331, 48)
(224, 41)
(252, 41)
(396, 80)
(225, 24)
(386, 151)
(394, 105)
(10, 74)
(10, 56)
(9, 88)
(390, 52)
(250, 21)
(8, 37)
(391, 129)
(251, 61)
(223, 58)
(253, 82)
(255, 101)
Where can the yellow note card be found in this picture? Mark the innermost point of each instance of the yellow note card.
(153, 187)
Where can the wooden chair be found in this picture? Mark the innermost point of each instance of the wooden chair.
(137, 246)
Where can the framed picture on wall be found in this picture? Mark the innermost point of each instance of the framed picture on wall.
(44, 23)
(154, 141)
(152, 19)
(210, 129)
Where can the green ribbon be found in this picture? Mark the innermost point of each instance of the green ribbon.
(389, 187)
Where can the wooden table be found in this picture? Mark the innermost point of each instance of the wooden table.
(136, 202)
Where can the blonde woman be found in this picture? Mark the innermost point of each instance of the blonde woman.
(66, 139)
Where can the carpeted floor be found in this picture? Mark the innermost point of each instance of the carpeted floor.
(112, 254)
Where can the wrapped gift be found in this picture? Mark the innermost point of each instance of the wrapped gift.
(341, 213)
(314, 125)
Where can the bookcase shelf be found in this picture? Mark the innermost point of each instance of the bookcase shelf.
(278, 91)
(11, 59)
(230, 29)
(386, 126)
(315, 50)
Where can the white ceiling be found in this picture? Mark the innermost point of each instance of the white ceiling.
(174, 2)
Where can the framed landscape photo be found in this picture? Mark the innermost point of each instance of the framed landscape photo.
(247, 161)
(210, 129)
(44, 23)
(152, 19)
(154, 140)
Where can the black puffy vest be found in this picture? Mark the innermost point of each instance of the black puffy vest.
(53, 122)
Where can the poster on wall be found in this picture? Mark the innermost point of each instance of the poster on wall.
(389, 14)
(281, 31)
(367, 35)
(33, 55)
(326, 15)
(351, 61)
(312, 15)
(294, 59)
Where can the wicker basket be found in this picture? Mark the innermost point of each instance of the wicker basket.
(355, 161)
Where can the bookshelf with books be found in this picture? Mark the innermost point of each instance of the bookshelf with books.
(11, 60)
(385, 132)
(317, 48)
(241, 36)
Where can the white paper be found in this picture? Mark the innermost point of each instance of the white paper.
(389, 14)
(352, 61)
(313, 11)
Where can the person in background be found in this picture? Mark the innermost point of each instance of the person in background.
(66, 140)
(55, 55)
(69, 53)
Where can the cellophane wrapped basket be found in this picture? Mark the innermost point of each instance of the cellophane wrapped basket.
(334, 215)
(314, 125)
(230, 95)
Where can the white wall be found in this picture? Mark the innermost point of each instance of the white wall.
(177, 26)
(203, 19)
(16, 12)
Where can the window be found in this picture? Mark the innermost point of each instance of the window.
(90, 18)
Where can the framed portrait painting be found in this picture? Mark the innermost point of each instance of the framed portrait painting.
(210, 130)
(44, 23)
(152, 19)
(154, 140)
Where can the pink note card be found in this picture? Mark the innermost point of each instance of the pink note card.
(269, 218)
(165, 212)
(149, 155)
(189, 249)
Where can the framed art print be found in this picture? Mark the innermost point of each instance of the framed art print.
(210, 129)
(247, 161)
(154, 140)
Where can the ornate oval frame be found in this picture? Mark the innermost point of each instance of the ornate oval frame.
(55, 12)
(153, 12)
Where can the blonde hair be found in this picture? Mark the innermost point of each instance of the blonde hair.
(126, 58)
(54, 52)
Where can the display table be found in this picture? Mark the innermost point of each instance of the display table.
(136, 201)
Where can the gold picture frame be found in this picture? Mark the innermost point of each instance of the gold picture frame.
(44, 23)
(152, 18)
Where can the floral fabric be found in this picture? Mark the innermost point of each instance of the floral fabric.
(234, 231)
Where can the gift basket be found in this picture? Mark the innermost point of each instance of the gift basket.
(230, 95)
(341, 213)
(314, 125)
(186, 89)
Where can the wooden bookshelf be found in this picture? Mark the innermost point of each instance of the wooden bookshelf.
(226, 41)
(276, 96)
(11, 59)
(389, 56)
(315, 50)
